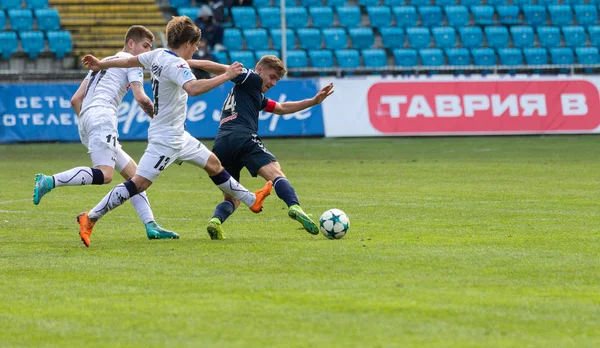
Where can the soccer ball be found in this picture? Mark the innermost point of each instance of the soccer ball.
(334, 224)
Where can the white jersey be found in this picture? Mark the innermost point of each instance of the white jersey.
(108, 87)
(169, 73)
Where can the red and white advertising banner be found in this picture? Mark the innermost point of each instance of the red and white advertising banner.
(375, 106)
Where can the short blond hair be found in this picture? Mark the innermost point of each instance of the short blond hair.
(272, 61)
(180, 30)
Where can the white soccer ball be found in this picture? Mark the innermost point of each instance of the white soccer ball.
(334, 224)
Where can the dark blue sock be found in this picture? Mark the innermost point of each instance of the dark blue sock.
(223, 210)
(97, 176)
(220, 178)
(130, 186)
(285, 191)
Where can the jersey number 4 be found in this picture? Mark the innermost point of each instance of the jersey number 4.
(229, 103)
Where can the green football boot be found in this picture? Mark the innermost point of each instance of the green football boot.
(154, 231)
(43, 185)
(296, 213)
(214, 229)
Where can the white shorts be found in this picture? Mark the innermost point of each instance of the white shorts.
(158, 157)
(98, 132)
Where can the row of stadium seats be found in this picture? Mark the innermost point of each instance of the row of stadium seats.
(9, 4)
(291, 3)
(408, 16)
(416, 37)
(429, 57)
(47, 19)
(33, 43)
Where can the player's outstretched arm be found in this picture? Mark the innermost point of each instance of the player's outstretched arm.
(197, 87)
(209, 66)
(96, 64)
(142, 99)
(77, 98)
(291, 107)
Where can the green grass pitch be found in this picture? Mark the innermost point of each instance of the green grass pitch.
(466, 242)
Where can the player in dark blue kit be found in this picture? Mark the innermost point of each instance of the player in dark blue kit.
(237, 144)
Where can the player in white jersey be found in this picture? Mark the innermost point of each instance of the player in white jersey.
(168, 142)
(96, 102)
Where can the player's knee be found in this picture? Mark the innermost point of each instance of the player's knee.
(213, 166)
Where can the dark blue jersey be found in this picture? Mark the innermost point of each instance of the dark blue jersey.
(243, 104)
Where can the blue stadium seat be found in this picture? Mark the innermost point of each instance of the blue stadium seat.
(8, 4)
(221, 57)
(256, 39)
(243, 16)
(510, 56)
(180, 3)
(496, 3)
(191, 12)
(497, 36)
(374, 57)
(548, 36)
(366, 3)
(406, 16)
(562, 56)
(393, 2)
(232, 39)
(419, 3)
(347, 58)
(418, 37)
(306, 3)
(458, 56)
(587, 55)
(444, 2)
(8, 43)
(457, 15)
(484, 56)
(244, 57)
(362, 37)
(20, 19)
(444, 37)
(321, 58)
(574, 2)
(335, 38)
(321, 16)
(471, 37)
(586, 14)
(297, 59)
(2, 20)
(392, 37)
(296, 17)
(310, 38)
(432, 57)
(508, 14)
(261, 3)
(534, 15)
(522, 3)
(406, 57)
(261, 53)
(32, 43)
(60, 43)
(379, 16)
(522, 36)
(47, 19)
(269, 17)
(548, 2)
(36, 4)
(535, 56)
(288, 3)
(560, 14)
(470, 3)
(594, 31)
(483, 14)
(336, 3)
(348, 16)
(430, 15)
(574, 35)
(290, 38)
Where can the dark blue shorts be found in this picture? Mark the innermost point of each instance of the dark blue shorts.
(239, 150)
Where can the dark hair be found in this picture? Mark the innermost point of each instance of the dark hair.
(138, 33)
(180, 30)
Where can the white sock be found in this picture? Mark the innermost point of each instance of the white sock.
(74, 177)
(239, 192)
(142, 206)
(117, 196)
